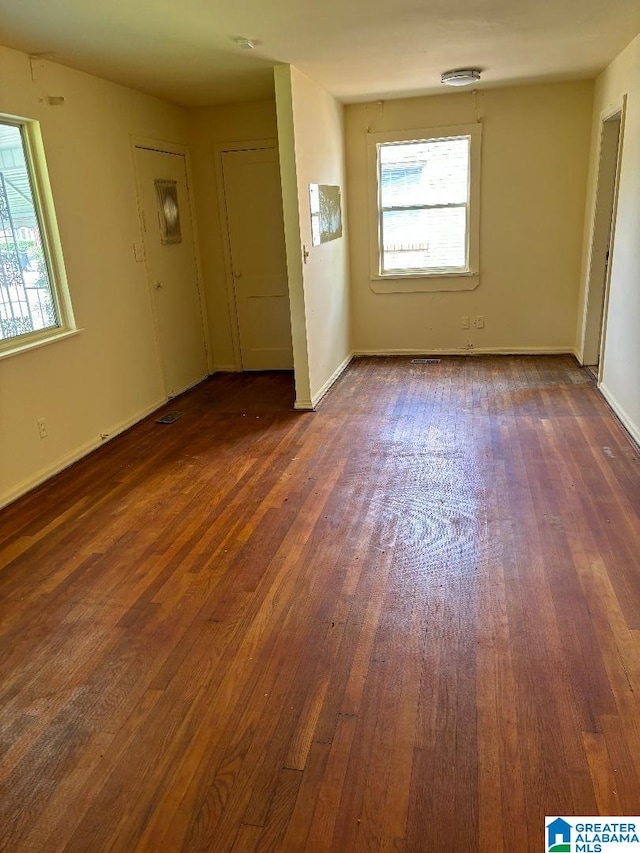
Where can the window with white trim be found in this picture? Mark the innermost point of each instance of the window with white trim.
(426, 217)
(34, 304)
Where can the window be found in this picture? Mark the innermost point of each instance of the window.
(425, 217)
(34, 305)
(424, 204)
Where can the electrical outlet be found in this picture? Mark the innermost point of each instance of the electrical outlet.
(464, 322)
(479, 321)
(42, 427)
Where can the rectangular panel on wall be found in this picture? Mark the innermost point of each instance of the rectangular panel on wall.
(326, 213)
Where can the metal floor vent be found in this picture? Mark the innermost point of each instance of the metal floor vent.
(170, 417)
(425, 361)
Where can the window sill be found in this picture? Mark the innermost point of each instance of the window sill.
(424, 283)
(36, 343)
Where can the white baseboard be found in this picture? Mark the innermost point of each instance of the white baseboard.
(632, 428)
(84, 450)
(567, 350)
(225, 368)
(317, 397)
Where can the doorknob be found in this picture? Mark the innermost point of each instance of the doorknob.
(158, 285)
(237, 275)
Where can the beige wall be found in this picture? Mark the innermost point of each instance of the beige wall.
(109, 375)
(534, 174)
(292, 236)
(620, 378)
(210, 127)
(311, 133)
(535, 147)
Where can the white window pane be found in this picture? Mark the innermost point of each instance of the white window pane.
(424, 239)
(26, 301)
(434, 172)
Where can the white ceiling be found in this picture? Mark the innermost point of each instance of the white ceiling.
(183, 50)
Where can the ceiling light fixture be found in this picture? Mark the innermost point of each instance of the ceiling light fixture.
(245, 43)
(461, 77)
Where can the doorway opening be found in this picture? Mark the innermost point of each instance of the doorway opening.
(602, 242)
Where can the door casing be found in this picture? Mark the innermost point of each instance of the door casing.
(163, 147)
(220, 149)
(602, 239)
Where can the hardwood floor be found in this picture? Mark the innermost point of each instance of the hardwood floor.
(409, 621)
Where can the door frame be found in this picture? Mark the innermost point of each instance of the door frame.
(221, 148)
(164, 147)
(598, 284)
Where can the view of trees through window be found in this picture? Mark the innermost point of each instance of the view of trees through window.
(26, 300)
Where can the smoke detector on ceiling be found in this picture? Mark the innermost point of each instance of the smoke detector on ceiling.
(461, 77)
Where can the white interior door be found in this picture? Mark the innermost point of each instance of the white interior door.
(253, 199)
(171, 267)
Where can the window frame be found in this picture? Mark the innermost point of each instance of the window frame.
(424, 280)
(42, 195)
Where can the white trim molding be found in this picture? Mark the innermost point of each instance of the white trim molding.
(424, 281)
(46, 226)
(591, 333)
(621, 413)
(180, 150)
(311, 405)
(225, 368)
(219, 150)
(567, 350)
(337, 373)
(79, 453)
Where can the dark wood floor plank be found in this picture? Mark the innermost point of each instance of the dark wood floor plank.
(280, 810)
(408, 621)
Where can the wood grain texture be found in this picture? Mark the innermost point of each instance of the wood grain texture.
(409, 621)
